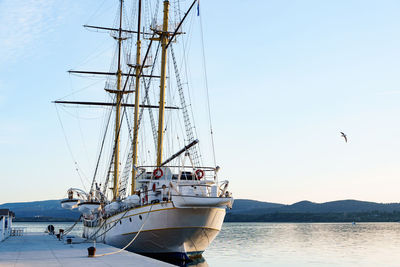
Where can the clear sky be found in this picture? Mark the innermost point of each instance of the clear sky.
(285, 78)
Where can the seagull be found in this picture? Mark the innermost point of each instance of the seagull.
(344, 136)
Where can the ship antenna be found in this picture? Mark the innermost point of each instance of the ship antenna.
(118, 108)
(137, 101)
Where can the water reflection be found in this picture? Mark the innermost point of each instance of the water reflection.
(294, 244)
(200, 262)
(196, 262)
(306, 244)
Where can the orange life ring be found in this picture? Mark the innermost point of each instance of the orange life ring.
(199, 174)
(158, 173)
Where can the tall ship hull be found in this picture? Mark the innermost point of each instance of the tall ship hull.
(169, 231)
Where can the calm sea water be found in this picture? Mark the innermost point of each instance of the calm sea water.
(296, 244)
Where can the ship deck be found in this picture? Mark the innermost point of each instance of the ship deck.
(39, 249)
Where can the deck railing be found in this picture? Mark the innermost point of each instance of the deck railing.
(17, 231)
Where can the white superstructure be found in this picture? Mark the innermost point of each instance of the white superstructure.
(175, 214)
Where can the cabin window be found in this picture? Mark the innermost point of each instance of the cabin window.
(140, 216)
(130, 219)
(187, 176)
(149, 175)
(120, 222)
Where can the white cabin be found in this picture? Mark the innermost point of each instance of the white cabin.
(6, 217)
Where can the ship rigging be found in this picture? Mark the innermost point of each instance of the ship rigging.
(175, 205)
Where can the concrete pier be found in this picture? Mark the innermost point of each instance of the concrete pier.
(38, 249)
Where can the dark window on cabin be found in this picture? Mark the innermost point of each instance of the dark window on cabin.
(130, 219)
(175, 177)
(140, 216)
(187, 176)
(120, 222)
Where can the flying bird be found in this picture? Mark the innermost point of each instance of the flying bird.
(344, 136)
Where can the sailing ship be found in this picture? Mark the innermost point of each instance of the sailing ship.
(174, 206)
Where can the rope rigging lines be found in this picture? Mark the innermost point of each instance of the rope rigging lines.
(126, 172)
(188, 131)
(208, 95)
(77, 168)
(147, 101)
(188, 125)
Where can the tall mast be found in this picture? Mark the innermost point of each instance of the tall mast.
(164, 43)
(137, 104)
(118, 109)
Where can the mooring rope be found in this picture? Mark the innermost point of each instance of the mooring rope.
(133, 239)
(72, 227)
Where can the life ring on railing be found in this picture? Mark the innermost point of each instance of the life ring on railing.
(199, 174)
(154, 187)
(158, 173)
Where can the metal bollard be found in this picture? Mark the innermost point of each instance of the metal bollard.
(91, 251)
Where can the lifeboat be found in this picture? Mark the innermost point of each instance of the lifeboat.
(88, 207)
(112, 207)
(69, 203)
(182, 201)
(132, 200)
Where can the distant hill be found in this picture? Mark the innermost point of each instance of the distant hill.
(306, 211)
(244, 210)
(251, 206)
(248, 205)
(41, 211)
(340, 206)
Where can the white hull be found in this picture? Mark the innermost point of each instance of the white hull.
(180, 231)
